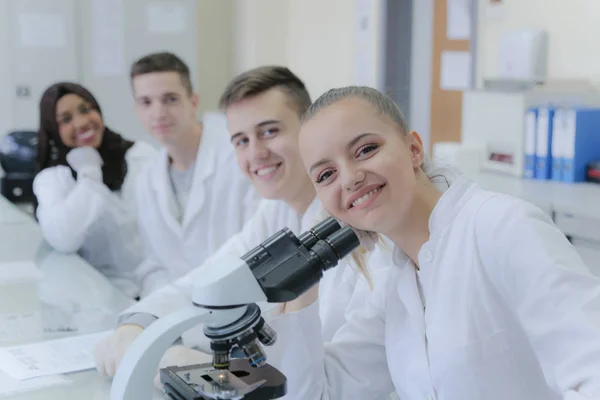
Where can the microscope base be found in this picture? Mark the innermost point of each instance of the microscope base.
(240, 381)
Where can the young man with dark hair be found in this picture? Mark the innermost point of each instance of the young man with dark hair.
(190, 200)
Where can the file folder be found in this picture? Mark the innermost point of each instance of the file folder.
(543, 145)
(558, 137)
(582, 142)
(530, 139)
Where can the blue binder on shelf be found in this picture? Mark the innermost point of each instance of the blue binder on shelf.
(543, 144)
(559, 132)
(582, 142)
(530, 139)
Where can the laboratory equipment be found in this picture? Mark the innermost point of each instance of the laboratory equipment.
(225, 299)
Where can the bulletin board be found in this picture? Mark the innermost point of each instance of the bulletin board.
(446, 99)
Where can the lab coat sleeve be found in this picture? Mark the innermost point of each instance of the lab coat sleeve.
(150, 274)
(65, 214)
(177, 294)
(353, 366)
(543, 279)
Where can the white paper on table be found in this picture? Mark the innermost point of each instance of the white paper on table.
(165, 17)
(42, 30)
(108, 37)
(458, 20)
(10, 386)
(19, 272)
(455, 70)
(37, 324)
(53, 357)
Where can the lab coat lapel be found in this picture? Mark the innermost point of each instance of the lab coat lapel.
(408, 290)
(164, 193)
(206, 159)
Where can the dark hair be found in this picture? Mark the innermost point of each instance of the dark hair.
(162, 62)
(258, 80)
(52, 151)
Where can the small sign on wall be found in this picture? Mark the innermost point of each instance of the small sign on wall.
(23, 92)
(455, 70)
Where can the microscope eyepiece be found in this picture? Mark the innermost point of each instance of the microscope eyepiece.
(343, 242)
(320, 231)
(335, 247)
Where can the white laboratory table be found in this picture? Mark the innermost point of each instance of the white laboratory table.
(67, 283)
(11, 214)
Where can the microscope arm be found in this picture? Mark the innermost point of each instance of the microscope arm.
(229, 282)
(135, 377)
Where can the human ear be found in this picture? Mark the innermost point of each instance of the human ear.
(417, 151)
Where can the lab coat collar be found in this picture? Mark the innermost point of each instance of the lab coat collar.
(447, 208)
(450, 204)
(204, 167)
(161, 185)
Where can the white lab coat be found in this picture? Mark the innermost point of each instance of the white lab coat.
(511, 313)
(85, 216)
(221, 200)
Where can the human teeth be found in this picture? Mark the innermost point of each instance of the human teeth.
(265, 171)
(364, 197)
(87, 135)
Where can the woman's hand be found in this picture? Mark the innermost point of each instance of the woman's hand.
(86, 161)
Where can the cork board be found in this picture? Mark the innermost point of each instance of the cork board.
(446, 105)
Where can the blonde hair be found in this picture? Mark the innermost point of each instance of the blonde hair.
(440, 176)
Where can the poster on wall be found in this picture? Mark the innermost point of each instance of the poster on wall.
(455, 70)
(108, 35)
(458, 20)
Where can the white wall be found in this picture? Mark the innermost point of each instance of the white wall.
(574, 35)
(314, 38)
(33, 65)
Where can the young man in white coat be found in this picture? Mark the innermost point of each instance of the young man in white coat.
(263, 108)
(190, 200)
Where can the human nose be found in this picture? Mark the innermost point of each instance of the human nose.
(80, 121)
(351, 177)
(258, 150)
(158, 110)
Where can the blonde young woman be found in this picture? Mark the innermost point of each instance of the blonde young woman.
(487, 299)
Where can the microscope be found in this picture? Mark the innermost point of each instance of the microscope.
(225, 301)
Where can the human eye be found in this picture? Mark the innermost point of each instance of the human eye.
(324, 175)
(65, 119)
(145, 102)
(241, 142)
(270, 132)
(170, 99)
(84, 109)
(366, 149)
